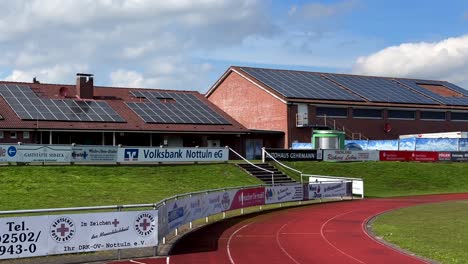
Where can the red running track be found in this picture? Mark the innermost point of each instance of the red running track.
(321, 233)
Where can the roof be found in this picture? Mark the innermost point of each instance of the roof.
(291, 85)
(111, 109)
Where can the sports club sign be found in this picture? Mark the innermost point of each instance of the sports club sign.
(94, 154)
(172, 154)
(59, 234)
(281, 194)
(350, 155)
(43, 153)
(8, 153)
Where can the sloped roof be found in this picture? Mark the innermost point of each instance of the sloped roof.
(119, 100)
(301, 85)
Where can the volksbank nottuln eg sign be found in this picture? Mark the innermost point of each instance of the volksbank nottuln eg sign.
(172, 154)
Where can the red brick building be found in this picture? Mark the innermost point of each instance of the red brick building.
(293, 103)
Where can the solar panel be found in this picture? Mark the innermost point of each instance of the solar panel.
(28, 106)
(377, 89)
(174, 108)
(305, 85)
(413, 84)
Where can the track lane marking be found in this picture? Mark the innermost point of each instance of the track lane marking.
(136, 262)
(229, 243)
(322, 233)
(281, 246)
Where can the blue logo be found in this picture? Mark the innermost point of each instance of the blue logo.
(11, 151)
(131, 154)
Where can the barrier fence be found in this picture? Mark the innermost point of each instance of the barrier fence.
(127, 228)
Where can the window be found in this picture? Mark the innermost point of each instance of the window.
(26, 135)
(13, 134)
(1, 134)
(367, 113)
(431, 115)
(401, 114)
(332, 111)
(459, 116)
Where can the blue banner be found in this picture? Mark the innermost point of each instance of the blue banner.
(437, 144)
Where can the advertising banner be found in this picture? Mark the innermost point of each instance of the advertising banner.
(248, 197)
(293, 154)
(22, 237)
(395, 155)
(93, 154)
(172, 154)
(453, 156)
(424, 156)
(8, 153)
(43, 153)
(59, 234)
(356, 144)
(350, 155)
(407, 144)
(327, 190)
(281, 194)
(463, 144)
(437, 144)
(382, 145)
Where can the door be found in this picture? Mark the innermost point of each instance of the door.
(253, 149)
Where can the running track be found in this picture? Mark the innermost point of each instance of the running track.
(321, 233)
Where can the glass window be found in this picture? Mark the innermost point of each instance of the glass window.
(431, 115)
(13, 134)
(26, 134)
(401, 114)
(367, 113)
(459, 116)
(332, 111)
(1, 134)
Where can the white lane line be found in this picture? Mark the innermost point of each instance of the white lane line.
(229, 243)
(136, 262)
(281, 246)
(168, 259)
(329, 243)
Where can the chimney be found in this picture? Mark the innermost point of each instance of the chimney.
(84, 85)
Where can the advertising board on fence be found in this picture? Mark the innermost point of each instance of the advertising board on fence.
(453, 156)
(58, 234)
(350, 155)
(8, 153)
(409, 156)
(281, 194)
(172, 154)
(43, 153)
(327, 190)
(93, 154)
(293, 154)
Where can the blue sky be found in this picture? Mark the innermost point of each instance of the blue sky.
(189, 44)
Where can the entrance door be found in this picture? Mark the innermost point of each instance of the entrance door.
(253, 149)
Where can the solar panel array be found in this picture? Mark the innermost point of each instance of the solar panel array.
(174, 108)
(413, 84)
(380, 89)
(28, 106)
(305, 85)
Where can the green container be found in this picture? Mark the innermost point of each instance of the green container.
(328, 139)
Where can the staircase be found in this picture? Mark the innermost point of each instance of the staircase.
(266, 177)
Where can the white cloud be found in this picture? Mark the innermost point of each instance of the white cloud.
(54, 74)
(444, 60)
(314, 11)
(125, 78)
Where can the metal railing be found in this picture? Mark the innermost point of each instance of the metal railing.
(255, 166)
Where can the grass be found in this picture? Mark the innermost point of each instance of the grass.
(435, 231)
(387, 179)
(34, 187)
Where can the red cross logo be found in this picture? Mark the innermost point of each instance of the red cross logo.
(115, 222)
(62, 230)
(145, 224)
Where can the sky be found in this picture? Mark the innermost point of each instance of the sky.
(189, 44)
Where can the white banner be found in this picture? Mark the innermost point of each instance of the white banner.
(327, 190)
(8, 153)
(281, 194)
(172, 154)
(22, 237)
(350, 155)
(43, 153)
(59, 234)
(94, 154)
(102, 231)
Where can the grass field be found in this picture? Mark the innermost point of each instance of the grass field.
(435, 231)
(387, 179)
(33, 187)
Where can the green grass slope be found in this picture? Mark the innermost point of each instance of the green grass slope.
(33, 187)
(386, 179)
